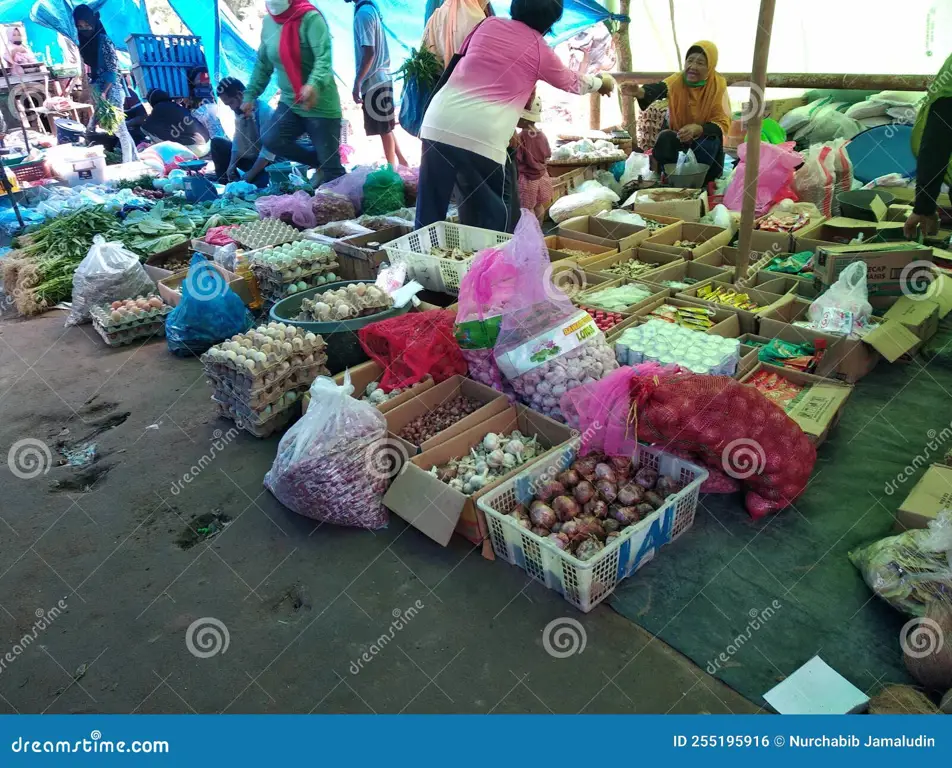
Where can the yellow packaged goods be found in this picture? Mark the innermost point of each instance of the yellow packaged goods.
(726, 296)
(696, 318)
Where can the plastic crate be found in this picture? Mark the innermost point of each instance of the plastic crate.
(33, 170)
(432, 272)
(586, 583)
(163, 61)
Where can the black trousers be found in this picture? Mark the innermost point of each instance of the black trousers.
(221, 157)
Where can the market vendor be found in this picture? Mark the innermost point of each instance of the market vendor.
(698, 110)
(296, 45)
(99, 55)
(470, 121)
(136, 115)
(932, 145)
(171, 121)
(245, 152)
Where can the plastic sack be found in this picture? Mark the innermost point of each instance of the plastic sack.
(842, 171)
(296, 209)
(607, 180)
(108, 273)
(775, 181)
(329, 465)
(413, 345)
(913, 570)
(208, 313)
(828, 123)
(589, 199)
(166, 156)
(383, 192)
(815, 181)
(730, 427)
(546, 345)
(845, 304)
(350, 185)
(413, 105)
(329, 206)
(636, 166)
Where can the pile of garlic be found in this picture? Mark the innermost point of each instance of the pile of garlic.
(494, 457)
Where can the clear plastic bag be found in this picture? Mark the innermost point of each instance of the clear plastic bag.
(815, 181)
(332, 465)
(350, 185)
(845, 304)
(589, 199)
(108, 273)
(296, 209)
(912, 570)
(546, 345)
(636, 166)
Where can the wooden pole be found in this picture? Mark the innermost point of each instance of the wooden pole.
(819, 80)
(623, 49)
(756, 101)
(595, 111)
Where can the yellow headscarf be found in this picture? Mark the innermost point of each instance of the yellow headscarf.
(705, 104)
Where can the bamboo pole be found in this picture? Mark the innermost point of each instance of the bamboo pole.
(822, 80)
(595, 111)
(752, 161)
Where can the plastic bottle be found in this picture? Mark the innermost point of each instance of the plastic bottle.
(243, 270)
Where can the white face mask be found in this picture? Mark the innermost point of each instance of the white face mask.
(277, 7)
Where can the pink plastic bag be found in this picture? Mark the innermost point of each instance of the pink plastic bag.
(296, 208)
(775, 181)
(546, 345)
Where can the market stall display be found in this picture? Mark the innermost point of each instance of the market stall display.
(123, 322)
(292, 267)
(354, 300)
(586, 152)
(492, 458)
(660, 342)
(444, 416)
(265, 233)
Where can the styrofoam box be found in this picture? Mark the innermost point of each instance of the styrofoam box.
(433, 272)
(586, 583)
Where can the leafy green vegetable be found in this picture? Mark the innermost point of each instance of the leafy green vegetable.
(422, 66)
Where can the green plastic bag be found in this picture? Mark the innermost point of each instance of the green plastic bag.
(793, 264)
(777, 351)
(383, 192)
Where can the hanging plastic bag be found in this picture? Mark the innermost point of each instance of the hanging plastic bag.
(208, 313)
(108, 273)
(383, 192)
(295, 209)
(413, 345)
(413, 105)
(350, 185)
(775, 181)
(331, 465)
(842, 171)
(815, 181)
(845, 305)
(546, 345)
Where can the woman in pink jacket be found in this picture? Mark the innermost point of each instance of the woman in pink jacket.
(468, 125)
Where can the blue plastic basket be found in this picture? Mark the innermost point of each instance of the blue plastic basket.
(163, 61)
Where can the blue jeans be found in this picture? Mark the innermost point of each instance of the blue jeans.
(281, 137)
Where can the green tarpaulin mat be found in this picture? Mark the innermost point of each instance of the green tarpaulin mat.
(751, 601)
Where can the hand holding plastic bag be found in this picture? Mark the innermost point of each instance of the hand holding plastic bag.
(332, 465)
(108, 273)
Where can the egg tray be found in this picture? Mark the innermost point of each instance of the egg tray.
(283, 275)
(295, 360)
(263, 429)
(283, 233)
(101, 316)
(311, 279)
(119, 338)
(253, 414)
(268, 393)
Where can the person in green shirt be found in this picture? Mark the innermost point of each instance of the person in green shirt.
(296, 45)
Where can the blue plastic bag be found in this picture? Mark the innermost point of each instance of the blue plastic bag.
(208, 313)
(413, 105)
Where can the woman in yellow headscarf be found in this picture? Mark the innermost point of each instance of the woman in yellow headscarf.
(450, 25)
(698, 110)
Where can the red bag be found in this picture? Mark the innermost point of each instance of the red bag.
(730, 427)
(413, 345)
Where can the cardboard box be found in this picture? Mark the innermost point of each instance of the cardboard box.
(842, 231)
(749, 319)
(557, 246)
(684, 204)
(360, 256)
(601, 231)
(907, 325)
(688, 270)
(436, 509)
(601, 264)
(846, 359)
(170, 288)
(884, 264)
(494, 402)
(657, 292)
(707, 237)
(155, 265)
(571, 279)
(928, 497)
(818, 408)
(777, 282)
(365, 373)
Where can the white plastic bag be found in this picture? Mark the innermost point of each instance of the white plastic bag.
(687, 163)
(589, 199)
(108, 273)
(607, 180)
(636, 166)
(845, 305)
(332, 465)
(815, 181)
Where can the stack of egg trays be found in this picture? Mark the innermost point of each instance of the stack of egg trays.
(119, 334)
(281, 233)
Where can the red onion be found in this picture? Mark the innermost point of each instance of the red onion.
(557, 527)
(586, 467)
(626, 515)
(666, 486)
(611, 525)
(592, 527)
(522, 522)
(584, 492)
(596, 508)
(607, 490)
(570, 528)
(566, 508)
(646, 477)
(540, 531)
(519, 511)
(644, 509)
(611, 537)
(629, 494)
(588, 549)
(654, 499)
(549, 490)
(605, 472)
(569, 478)
(621, 464)
(559, 539)
(542, 515)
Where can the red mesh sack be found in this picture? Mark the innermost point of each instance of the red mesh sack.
(730, 427)
(413, 345)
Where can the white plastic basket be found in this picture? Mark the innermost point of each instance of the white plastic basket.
(432, 272)
(586, 583)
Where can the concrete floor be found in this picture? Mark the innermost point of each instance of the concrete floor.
(300, 605)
